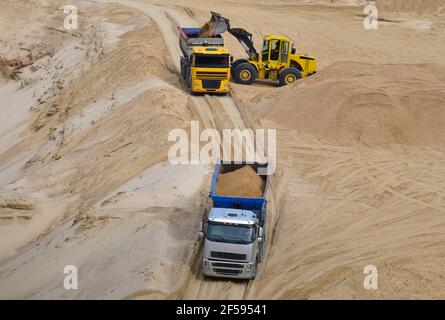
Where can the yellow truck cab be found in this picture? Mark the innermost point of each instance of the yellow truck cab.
(210, 69)
(205, 64)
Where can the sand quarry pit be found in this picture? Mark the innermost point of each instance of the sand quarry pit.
(84, 176)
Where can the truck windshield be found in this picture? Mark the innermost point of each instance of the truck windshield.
(211, 61)
(230, 233)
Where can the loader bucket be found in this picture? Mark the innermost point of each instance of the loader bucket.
(216, 26)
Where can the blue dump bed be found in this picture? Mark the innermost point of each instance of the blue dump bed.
(256, 205)
(190, 32)
(188, 38)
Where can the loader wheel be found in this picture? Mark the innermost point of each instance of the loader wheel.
(245, 73)
(288, 76)
(235, 64)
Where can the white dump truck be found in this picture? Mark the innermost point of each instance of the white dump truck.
(233, 231)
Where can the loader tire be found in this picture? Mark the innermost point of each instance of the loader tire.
(245, 73)
(288, 76)
(235, 64)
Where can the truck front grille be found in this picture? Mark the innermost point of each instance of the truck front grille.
(211, 75)
(211, 84)
(227, 265)
(227, 255)
(227, 271)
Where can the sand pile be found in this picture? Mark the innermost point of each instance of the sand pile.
(244, 182)
(412, 6)
(366, 103)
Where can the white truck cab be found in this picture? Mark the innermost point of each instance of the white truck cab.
(233, 243)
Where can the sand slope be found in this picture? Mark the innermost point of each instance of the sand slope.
(61, 197)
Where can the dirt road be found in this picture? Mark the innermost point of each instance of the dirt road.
(214, 112)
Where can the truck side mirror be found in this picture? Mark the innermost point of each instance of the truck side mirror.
(231, 59)
(261, 232)
(201, 231)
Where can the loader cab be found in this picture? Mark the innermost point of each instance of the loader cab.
(275, 52)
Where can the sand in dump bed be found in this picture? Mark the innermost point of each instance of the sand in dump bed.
(206, 30)
(244, 182)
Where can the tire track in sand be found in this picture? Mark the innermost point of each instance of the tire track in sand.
(196, 286)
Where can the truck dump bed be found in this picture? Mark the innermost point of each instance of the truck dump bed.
(188, 38)
(238, 201)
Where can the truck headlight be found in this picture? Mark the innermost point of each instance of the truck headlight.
(206, 264)
(249, 267)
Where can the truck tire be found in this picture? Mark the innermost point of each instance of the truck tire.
(261, 249)
(257, 262)
(188, 80)
(288, 76)
(245, 73)
(188, 77)
(234, 64)
(184, 64)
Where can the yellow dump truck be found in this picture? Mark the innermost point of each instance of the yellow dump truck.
(205, 64)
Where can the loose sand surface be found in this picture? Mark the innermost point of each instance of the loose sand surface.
(85, 179)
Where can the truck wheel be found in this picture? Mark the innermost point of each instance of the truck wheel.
(235, 64)
(261, 250)
(245, 73)
(184, 66)
(257, 262)
(188, 77)
(288, 76)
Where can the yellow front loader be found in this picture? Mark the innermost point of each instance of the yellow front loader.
(277, 61)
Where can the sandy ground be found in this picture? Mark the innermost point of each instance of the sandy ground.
(84, 176)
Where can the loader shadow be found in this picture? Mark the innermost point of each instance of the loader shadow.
(379, 19)
(260, 83)
(265, 83)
